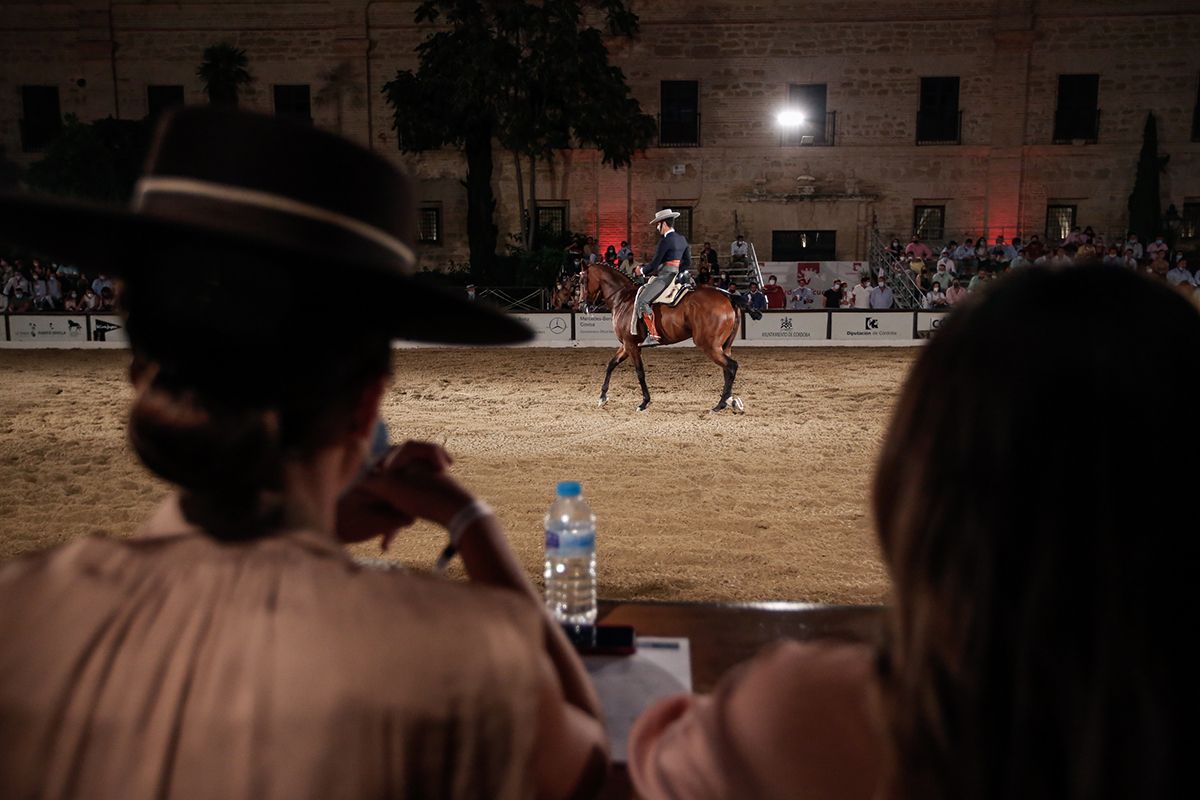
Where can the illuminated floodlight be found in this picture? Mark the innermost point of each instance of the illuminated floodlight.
(790, 118)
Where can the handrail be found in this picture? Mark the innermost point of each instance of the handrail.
(897, 274)
(514, 298)
(754, 264)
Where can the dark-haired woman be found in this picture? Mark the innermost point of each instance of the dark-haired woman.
(1042, 583)
(233, 649)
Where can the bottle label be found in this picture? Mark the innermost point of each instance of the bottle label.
(568, 546)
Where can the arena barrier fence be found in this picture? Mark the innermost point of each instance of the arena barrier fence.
(823, 327)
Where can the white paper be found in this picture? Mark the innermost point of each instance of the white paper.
(628, 685)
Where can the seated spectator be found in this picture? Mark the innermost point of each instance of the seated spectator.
(107, 300)
(956, 293)
(1158, 246)
(1158, 266)
(1021, 260)
(1130, 260)
(982, 253)
(860, 294)
(17, 280)
(776, 297)
(935, 298)
(1073, 240)
(1001, 254)
(896, 249)
(945, 268)
(833, 295)
(1180, 274)
(71, 302)
(918, 250)
(1034, 249)
(733, 290)
(739, 251)
(1033, 633)
(1086, 252)
(102, 281)
(40, 290)
(882, 296)
(965, 251)
(1060, 258)
(20, 301)
(978, 280)
(610, 256)
(1133, 244)
(624, 255)
(54, 291)
(756, 299)
(802, 297)
(1112, 258)
(708, 257)
(234, 648)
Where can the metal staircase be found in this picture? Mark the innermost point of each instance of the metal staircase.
(897, 273)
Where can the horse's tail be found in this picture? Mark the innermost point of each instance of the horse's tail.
(743, 303)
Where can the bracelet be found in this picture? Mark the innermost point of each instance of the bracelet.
(459, 523)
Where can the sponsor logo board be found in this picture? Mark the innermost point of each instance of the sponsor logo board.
(929, 321)
(859, 325)
(596, 328)
(109, 329)
(548, 328)
(47, 329)
(787, 326)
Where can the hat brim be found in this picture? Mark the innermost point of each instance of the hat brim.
(664, 218)
(122, 243)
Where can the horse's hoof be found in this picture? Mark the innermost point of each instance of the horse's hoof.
(738, 406)
(642, 407)
(603, 400)
(719, 407)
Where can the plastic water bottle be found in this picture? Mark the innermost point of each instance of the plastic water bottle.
(570, 570)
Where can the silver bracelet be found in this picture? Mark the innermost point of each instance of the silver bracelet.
(466, 516)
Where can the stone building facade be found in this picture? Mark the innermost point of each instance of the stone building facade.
(1015, 147)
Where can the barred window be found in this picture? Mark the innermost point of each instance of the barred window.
(429, 224)
(1190, 227)
(293, 102)
(682, 223)
(161, 98)
(553, 218)
(929, 222)
(1060, 219)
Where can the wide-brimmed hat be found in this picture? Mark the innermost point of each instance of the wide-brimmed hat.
(224, 185)
(665, 214)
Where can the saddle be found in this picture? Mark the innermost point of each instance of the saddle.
(681, 287)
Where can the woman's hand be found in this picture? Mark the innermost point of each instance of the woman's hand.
(410, 483)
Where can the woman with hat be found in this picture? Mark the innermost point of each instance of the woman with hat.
(672, 254)
(233, 648)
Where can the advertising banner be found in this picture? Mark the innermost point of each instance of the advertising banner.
(928, 322)
(49, 330)
(550, 328)
(594, 329)
(109, 329)
(786, 327)
(872, 325)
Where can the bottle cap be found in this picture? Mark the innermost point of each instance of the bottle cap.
(569, 489)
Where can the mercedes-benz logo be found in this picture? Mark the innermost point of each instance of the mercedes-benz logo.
(558, 325)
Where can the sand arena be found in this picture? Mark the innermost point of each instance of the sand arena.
(771, 505)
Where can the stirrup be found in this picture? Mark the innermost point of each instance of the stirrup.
(651, 341)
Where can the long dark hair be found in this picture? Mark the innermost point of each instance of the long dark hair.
(1040, 562)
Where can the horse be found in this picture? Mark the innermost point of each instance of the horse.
(706, 315)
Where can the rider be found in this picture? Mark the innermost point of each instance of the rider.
(672, 254)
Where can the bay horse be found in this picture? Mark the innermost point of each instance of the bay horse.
(706, 315)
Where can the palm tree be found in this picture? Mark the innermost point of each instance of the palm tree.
(223, 72)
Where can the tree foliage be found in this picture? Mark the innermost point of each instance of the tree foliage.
(1145, 201)
(98, 160)
(531, 76)
(224, 72)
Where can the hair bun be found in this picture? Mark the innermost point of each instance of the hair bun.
(209, 449)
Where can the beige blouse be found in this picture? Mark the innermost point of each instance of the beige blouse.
(795, 722)
(182, 667)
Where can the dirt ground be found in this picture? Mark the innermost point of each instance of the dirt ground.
(771, 505)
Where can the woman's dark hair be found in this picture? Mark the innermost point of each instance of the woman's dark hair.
(1040, 560)
(237, 369)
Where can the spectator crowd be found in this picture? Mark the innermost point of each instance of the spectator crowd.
(33, 287)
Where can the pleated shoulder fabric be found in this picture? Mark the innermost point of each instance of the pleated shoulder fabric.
(181, 667)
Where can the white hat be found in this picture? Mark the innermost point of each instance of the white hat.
(664, 215)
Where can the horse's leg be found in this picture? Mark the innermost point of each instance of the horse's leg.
(612, 364)
(719, 351)
(636, 354)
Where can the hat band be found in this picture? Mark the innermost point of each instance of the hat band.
(271, 202)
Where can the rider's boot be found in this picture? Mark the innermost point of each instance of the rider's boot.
(651, 332)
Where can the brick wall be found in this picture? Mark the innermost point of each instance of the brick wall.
(871, 54)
